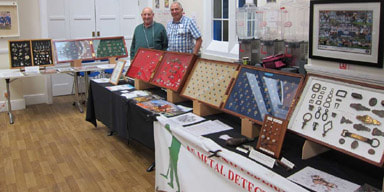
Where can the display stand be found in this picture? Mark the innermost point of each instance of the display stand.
(311, 149)
(174, 97)
(112, 60)
(142, 85)
(203, 109)
(249, 128)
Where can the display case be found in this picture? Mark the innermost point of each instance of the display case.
(109, 47)
(344, 115)
(70, 50)
(258, 92)
(209, 81)
(173, 70)
(25, 53)
(144, 64)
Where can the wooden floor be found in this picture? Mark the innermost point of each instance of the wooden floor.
(53, 148)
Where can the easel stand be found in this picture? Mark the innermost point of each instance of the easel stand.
(311, 149)
(142, 85)
(203, 109)
(249, 128)
(174, 97)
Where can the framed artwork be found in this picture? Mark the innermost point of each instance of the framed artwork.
(209, 81)
(344, 115)
(173, 70)
(109, 47)
(9, 19)
(347, 31)
(117, 72)
(144, 64)
(20, 53)
(42, 52)
(70, 50)
(258, 92)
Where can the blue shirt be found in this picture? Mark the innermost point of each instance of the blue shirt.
(181, 35)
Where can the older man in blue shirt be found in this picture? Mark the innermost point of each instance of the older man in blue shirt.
(182, 31)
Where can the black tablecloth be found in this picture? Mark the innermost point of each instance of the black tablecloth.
(119, 114)
(332, 162)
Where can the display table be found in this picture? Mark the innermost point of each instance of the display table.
(186, 157)
(119, 114)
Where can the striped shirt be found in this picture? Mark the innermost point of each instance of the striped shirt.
(181, 34)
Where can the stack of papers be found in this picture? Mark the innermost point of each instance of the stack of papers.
(101, 80)
(207, 127)
(120, 87)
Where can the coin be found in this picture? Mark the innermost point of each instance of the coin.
(354, 144)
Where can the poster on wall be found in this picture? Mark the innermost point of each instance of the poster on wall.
(9, 20)
(347, 32)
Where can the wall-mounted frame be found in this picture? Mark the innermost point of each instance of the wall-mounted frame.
(258, 92)
(347, 31)
(117, 72)
(9, 19)
(344, 115)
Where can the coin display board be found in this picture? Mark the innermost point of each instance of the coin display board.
(110, 47)
(144, 64)
(70, 50)
(258, 92)
(42, 52)
(344, 115)
(173, 70)
(20, 53)
(272, 135)
(25, 53)
(209, 81)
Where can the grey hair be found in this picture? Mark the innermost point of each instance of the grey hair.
(178, 3)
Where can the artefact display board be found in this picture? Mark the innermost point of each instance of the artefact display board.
(258, 92)
(89, 49)
(110, 47)
(144, 64)
(344, 115)
(25, 53)
(209, 81)
(70, 50)
(173, 70)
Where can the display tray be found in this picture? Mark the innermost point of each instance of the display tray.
(70, 50)
(20, 55)
(42, 52)
(209, 81)
(144, 64)
(173, 70)
(109, 47)
(343, 115)
(258, 92)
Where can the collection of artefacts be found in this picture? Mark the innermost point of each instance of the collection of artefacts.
(25, 53)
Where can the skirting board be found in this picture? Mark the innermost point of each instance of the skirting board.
(17, 104)
(35, 99)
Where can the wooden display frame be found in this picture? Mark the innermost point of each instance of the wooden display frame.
(170, 75)
(143, 66)
(272, 135)
(230, 76)
(267, 72)
(31, 53)
(341, 134)
(114, 79)
(95, 46)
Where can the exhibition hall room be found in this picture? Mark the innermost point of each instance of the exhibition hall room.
(180, 96)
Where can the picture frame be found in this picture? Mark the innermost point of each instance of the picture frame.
(114, 79)
(9, 19)
(144, 64)
(347, 31)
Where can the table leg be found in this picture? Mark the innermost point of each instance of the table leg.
(77, 101)
(86, 85)
(11, 121)
(151, 167)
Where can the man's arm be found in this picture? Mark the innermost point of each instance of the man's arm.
(196, 49)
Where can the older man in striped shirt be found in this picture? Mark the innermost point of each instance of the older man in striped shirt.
(182, 31)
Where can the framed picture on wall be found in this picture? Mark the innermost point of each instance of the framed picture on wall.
(347, 31)
(9, 19)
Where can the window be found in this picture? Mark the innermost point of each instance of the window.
(220, 20)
